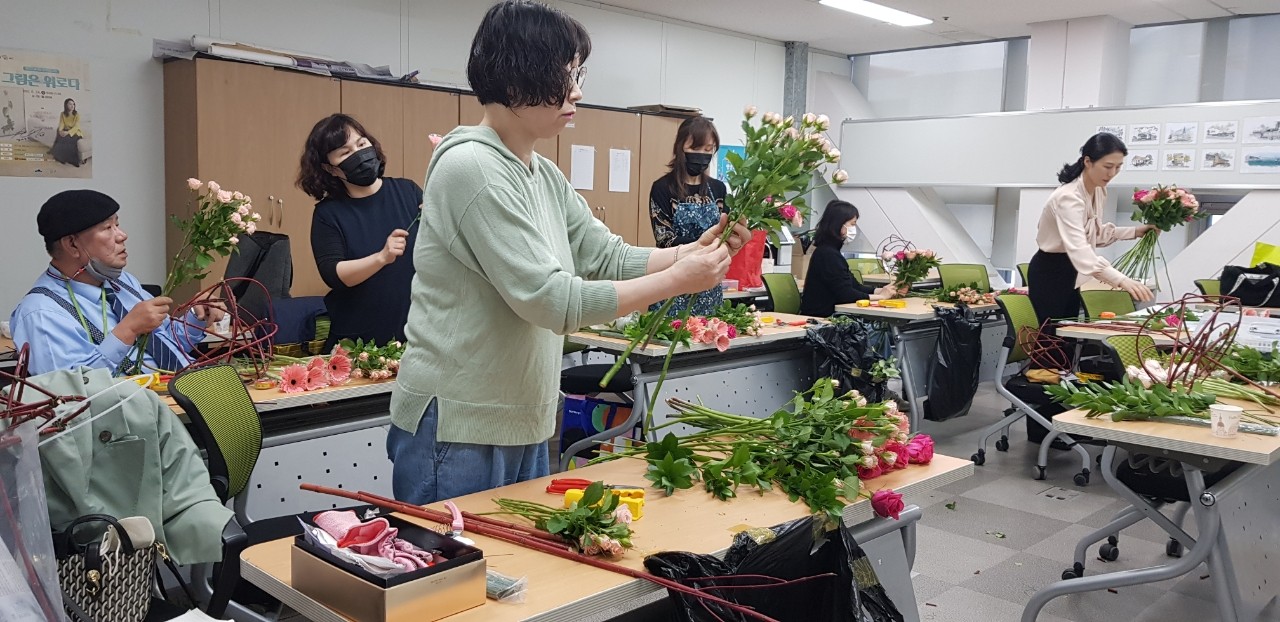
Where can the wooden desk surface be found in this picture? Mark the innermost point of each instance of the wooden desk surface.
(1099, 332)
(1248, 448)
(275, 399)
(767, 335)
(6, 345)
(690, 520)
(916, 309)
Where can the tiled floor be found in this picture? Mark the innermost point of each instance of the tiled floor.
(1004, 539)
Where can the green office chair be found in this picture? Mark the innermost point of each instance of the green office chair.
(857, 275)
(1127, 350)
(783, 291)
(1099, 301)
(1023, 268)
(866, 265)
(962, 274)
(1021, 393)
(226, 425)
(1209, 287)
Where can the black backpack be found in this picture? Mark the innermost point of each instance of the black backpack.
(1258, 286)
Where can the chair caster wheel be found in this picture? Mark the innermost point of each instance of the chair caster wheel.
(1115, 540)
(979, 458)
(1173, 548)
(1109, 552)
(1082, 478)
(1040, 473)
(1074, 572)
(1098, 459)
(1002, 444)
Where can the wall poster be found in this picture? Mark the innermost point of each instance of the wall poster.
(45, 115)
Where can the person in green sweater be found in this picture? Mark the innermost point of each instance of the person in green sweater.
(510, 260)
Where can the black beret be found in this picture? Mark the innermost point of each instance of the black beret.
(70, 212)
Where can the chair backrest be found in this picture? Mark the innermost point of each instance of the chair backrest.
(1127, 350)
(961, 274)
(226, 423)
(1023, 268)
(1098, 301)
(783, 291)
(857, 274)
(866, 265)
(1209, 287)
(1019, 314)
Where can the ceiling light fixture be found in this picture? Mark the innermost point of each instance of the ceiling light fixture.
(877, 11)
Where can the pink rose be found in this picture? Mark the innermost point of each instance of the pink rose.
(1173, 321)
(243, 210)
(911, 255)
(233, 239)
(1139, 195)
(870, 473)
(823, 122)
(792, 133)
(788, 211)
(623, 515)
(808, 118)
(887, 504)
(900, 255)
(886, 256)
(213, 186)
(235, 218)
(224, 196)
(733, 331)
(194, 183)
(676, 324)
(920, 449)
(237, 195)
(900, 454)
(435, 139)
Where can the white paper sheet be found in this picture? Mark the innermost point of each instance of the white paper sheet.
(619, 170)
(582, 167)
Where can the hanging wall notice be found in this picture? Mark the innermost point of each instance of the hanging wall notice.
(45, 115)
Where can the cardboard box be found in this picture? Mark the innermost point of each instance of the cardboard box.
(419, 596)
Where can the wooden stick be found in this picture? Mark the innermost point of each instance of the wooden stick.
(505, 535)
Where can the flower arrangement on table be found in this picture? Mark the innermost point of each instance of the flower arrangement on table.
(594, 525)
(910, 266)
(767, 183)
(967, 294)
(1163, 208)
(350, 359)
(218, 219)
(820, 450)
(726, 323)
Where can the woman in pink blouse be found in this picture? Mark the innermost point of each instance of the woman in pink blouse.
(1071, 228)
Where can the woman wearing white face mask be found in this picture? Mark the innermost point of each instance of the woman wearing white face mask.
(829, 282)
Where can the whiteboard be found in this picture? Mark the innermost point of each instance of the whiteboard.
(1026, 149)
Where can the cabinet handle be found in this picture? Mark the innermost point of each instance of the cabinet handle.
(271, 209)
(280, 202)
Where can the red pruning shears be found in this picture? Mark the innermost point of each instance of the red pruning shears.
(563, 485)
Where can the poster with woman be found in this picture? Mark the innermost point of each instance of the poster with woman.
(45, 128)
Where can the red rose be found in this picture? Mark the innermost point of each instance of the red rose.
(865, 473)
(920, 449)
(902, 452)
(887, 504)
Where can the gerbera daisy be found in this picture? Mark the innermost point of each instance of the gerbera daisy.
(339, 370)
(316, 378)
(293, 378)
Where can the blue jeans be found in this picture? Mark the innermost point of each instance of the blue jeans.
(424, 471)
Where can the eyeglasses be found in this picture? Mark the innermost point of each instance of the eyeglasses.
(579, 76)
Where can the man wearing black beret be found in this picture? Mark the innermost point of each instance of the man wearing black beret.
(85, 310)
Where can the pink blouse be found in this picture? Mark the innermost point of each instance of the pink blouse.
(1072, 224)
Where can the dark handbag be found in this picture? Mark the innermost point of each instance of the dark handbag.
(102, 587)
(114, 586)
(1258, 286)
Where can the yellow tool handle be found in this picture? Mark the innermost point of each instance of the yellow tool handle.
(633, 498)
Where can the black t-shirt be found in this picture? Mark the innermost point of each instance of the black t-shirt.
(662, 207)
(344, 228)
(829, 282)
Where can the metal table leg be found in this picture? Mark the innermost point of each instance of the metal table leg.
(890, 550)
(909, 389)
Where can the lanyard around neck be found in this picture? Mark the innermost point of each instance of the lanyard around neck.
(84, 323)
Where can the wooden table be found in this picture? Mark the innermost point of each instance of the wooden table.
(931, 282)
(1093, 331)
(777, 358)
(267, 400)
(559, 589)
(1235, 517)
(921, 313)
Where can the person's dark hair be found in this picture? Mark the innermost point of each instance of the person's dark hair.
(827, 233)
(328, 134)
(703, 132)
(1098, 146)
(65, 102)
(521, 55)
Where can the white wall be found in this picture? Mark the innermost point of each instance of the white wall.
(635, 60)
(1253, 44)
(979, 222)
(1164, 64)
(939, 81)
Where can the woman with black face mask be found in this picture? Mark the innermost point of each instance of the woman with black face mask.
(687, 201)
(362, 231)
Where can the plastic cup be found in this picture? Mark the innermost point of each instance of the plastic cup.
(1225, 420)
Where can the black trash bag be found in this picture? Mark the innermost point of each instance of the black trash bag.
(953, 379)
(794, 550)
(1258, 286)
(845, 352)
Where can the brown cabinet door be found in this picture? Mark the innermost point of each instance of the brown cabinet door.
(604, 130)
(380, 109)
(425, 113)
(657, 140)
(253, 122)
(471, 112)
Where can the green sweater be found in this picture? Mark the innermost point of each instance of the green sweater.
(508, 259)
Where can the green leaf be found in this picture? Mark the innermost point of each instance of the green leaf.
(951, 506)
(592, 495)
(557, 523)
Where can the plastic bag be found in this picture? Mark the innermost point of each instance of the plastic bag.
(953, 379)
(29, 589)
(846, 352)
(794, 550)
